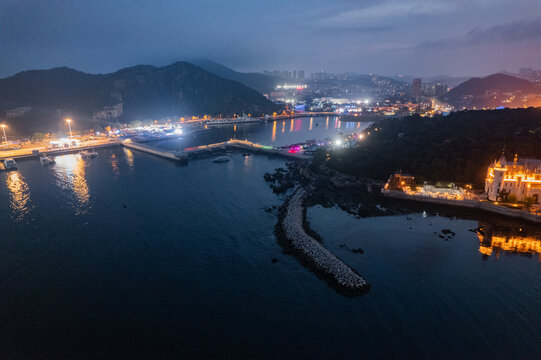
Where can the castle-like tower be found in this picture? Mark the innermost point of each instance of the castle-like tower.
(520, 178)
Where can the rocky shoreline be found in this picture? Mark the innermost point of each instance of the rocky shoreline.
(292, 235)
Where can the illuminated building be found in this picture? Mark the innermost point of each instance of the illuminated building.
(519, 178)
(416, 87)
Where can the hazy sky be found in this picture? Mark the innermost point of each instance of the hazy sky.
(417, 37)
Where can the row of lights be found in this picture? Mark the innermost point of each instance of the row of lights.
(3, 126)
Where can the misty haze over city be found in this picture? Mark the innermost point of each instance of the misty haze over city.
(414, 37)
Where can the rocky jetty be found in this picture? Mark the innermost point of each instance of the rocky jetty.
(291, 232)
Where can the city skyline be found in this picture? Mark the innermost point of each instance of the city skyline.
(417, 37)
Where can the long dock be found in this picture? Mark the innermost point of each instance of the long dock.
(468, 203)
(245, 145)
(37, 152)
(179, 156)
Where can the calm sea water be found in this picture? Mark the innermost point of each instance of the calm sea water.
(131, 256)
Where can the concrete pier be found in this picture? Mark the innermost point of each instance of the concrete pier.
(311, 253)
(180, 156)
(36, 153)
(468, 203)
(245, 145)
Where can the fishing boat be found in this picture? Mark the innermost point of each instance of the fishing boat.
(88, 154)
(221, 159)
(10, 164)
(46, 160)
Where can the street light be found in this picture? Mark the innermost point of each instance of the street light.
(4, 129)
(69, 124)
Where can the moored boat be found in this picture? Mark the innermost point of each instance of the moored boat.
(221, 159)
(88, 154)
(46, 160)
(10, 164)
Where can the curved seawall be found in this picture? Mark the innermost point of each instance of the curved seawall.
(311, 253)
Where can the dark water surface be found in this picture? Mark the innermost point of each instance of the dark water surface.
(276, 133)
(131, 256)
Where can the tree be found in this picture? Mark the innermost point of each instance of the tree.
(38, 136)
(528, 202)
(512, 199)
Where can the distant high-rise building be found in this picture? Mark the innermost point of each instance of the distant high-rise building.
(416, 87)
(441, 89)
(294, 74)
(300, 74)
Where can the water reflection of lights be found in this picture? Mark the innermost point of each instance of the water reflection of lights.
(20, 195)
(129, 157)
(248, 160)
(292, 124)
(496, 242)
(114, 164)
(327, 123)
(311, 122)
(273, 139)
(284, 126)
(70, 172)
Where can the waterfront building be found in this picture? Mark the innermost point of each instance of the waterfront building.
(19, 112)
(520, 178)
(400, 181)
(406, 183)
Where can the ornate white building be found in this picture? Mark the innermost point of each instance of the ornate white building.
(520, 178)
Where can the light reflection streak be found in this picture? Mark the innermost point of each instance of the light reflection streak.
(327, 123)
(273, 139)
(291, 127)
(129, 157)
(20, 195)
(284, 126)
(114, 164)
(70, 173)
(495, 241)
(311, 122)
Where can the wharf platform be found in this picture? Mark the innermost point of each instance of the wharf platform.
(247, 146)
(180, 156)
(533, 216)
(37, 152)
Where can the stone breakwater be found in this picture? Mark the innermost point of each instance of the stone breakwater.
(311, 253)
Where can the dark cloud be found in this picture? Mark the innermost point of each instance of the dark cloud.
(379, 36)
(520, 31)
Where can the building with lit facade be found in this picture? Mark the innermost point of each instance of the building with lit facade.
(520, 178)
(416, 89)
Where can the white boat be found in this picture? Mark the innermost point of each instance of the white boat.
(46, 160)
(88, 154)
(221, 159)
(10, 164)
(241, 119)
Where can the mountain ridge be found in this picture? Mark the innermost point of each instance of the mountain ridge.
(132, 93)
(493, 91)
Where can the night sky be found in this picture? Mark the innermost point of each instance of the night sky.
(415, 37)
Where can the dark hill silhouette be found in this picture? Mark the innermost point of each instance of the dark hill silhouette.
(493, 91)
(259, 82)
(135, 93)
